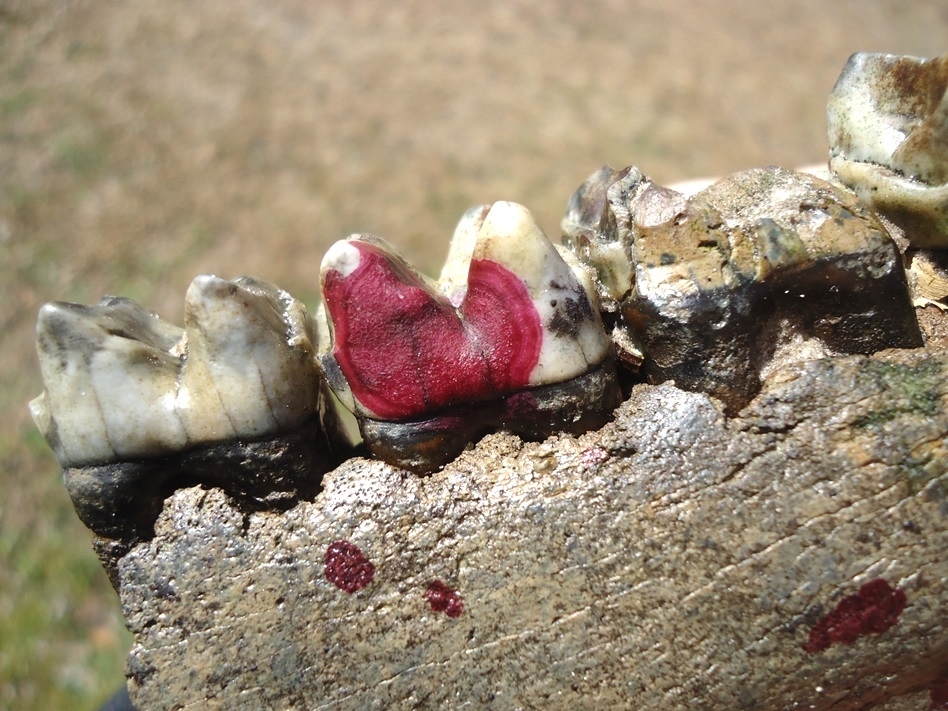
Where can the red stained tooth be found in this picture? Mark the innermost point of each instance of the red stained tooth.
(405, 351)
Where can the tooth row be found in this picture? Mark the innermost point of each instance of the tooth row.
(121, 384)
(510, 311)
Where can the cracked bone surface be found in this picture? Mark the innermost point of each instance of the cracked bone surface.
(677, 558)
(715, 289)
(125, 390)
(509, 337)
(887, 122)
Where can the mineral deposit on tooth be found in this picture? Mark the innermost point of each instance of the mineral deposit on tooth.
(887, 120)
(790, 557)
(765, 266)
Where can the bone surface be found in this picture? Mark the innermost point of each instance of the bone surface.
(887, 120)
(675, 559)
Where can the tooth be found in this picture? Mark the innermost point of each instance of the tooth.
(108, 372)
(249, 361)
(887, 122)
(122, 384)
(510, 312)
(729, 278)
(596, 228)
(573, 335)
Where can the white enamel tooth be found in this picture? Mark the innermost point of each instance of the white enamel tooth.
(887, 124)
(574, 339)
(106, 368)
(453, 279)
(248, 371)
(122, 384)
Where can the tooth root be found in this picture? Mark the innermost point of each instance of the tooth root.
(121, 384)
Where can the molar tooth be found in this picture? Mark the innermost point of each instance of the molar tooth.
(122, 384)
(510, 312)
(108, 373)
(248, 370)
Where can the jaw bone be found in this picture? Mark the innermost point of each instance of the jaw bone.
(121, 384)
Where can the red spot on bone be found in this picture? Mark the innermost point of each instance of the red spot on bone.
(938, 694)
(406, 351)
(871, 610)
(444, 599)
(347, 567)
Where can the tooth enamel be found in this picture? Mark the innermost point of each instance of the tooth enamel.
(122, 384)
(453, 279)
(115, 352)
(342, 257)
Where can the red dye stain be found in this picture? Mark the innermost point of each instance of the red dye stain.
(594, 455)
(444, 599)
(347, 567)
(406, 351)
(939, 694)
(871, 610)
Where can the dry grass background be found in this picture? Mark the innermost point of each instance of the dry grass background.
(143, 143)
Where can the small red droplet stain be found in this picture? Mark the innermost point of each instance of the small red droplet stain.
(871, 610)
(347, 567)
(444, 599)
(594, 455)
(938, 693)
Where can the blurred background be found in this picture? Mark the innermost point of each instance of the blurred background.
(143, 143)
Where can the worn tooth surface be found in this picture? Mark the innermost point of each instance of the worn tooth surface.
(887, 123)
(762, 266)
(122, 384)
(596, 228)
(108, 370)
